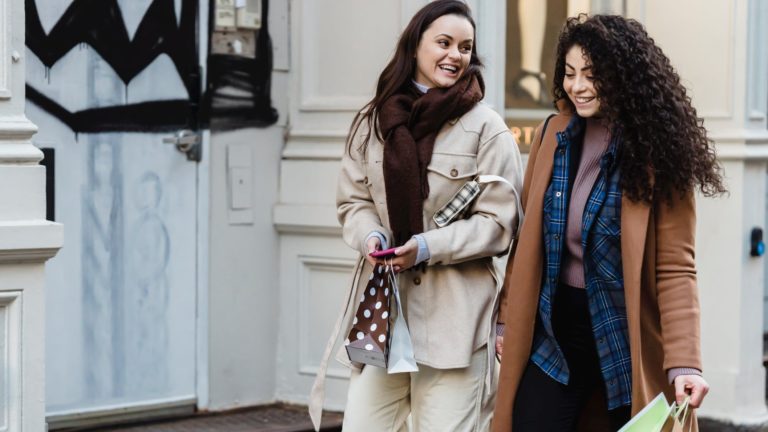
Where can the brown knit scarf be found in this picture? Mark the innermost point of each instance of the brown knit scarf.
(409, 122)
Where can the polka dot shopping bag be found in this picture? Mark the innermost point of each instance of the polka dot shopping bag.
(368, 341)
(372, 341)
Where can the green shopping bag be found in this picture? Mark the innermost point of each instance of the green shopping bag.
(658, 416)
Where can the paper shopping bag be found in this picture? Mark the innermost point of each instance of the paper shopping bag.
(651, 418)
(401, 357)
(367, 341)
(676, 421)
(658, 416)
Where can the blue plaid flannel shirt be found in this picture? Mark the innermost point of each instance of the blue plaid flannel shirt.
(601, 239)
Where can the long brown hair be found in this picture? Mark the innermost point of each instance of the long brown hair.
(665, 151)
(397, 75)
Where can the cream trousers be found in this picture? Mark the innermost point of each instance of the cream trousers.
(437, 400)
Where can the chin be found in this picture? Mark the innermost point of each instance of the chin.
(446, 83)
(586, 113)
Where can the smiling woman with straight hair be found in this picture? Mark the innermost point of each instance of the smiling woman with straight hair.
(423, 137)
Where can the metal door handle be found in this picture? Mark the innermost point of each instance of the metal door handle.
(188, 142)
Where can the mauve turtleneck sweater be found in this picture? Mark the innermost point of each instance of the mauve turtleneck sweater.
(597, 137)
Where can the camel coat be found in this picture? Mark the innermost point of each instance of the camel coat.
(657, 248)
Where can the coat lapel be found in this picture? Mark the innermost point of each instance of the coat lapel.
(634, 232)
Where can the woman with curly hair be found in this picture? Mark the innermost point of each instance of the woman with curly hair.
(600, 297)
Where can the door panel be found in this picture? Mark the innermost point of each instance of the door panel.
(121, 299)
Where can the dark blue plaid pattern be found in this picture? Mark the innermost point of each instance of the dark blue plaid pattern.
(601, 239)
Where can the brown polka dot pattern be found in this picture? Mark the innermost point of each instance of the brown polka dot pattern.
(368, 340)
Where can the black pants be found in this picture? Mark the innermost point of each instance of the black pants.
(543, 404)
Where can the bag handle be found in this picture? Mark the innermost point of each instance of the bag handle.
(317, 394)
(683, 410)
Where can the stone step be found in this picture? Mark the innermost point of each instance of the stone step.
(269, 418)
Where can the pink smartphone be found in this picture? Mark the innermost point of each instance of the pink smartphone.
(383, 253)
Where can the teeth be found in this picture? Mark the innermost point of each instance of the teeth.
(449, 68)
(583, 99)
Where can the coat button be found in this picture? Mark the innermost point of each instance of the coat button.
(417, 281)
(454, 172)
(557, 236)
(557, 194)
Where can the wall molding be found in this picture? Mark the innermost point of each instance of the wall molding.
(15, 141)
(5, 53)
(746, 145)
(757, 61)
(10, 360)
(306, 219)
(29, 240)
(307, 264)
(122, 413)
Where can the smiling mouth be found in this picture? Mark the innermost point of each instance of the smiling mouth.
(583, 100)
(450, 69)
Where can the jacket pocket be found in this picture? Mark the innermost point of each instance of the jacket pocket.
(453, 166)
(447, 173)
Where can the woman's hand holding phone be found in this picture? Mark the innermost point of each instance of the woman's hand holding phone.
(401, 258)
(386, 253)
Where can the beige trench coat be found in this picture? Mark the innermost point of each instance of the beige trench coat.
(451, 308)
(657, 248)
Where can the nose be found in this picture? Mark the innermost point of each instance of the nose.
(579, 84)
(454, 53)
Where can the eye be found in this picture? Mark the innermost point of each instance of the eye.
(570, 75)
(467, 48)
(590, 78)
(443, 43)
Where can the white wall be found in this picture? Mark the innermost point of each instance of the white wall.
(243, 294)
(243, 249)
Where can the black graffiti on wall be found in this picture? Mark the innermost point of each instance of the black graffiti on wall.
(251, 103)
(100, 25)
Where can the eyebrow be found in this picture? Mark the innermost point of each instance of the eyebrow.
(450, 37)
(584, 68)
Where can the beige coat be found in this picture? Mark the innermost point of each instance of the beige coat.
(657, 251)
(450, 308)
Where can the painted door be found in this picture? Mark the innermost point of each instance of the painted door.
(107, 81)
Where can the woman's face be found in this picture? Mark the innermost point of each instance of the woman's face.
(578, 83)
(444, 51)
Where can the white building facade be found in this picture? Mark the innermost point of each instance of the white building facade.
(214, 284)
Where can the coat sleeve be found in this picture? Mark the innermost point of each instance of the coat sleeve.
(677, 292)
(535, 145)
(355, 208)
(489, 229)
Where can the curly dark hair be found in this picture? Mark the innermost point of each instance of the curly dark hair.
(664, 149)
